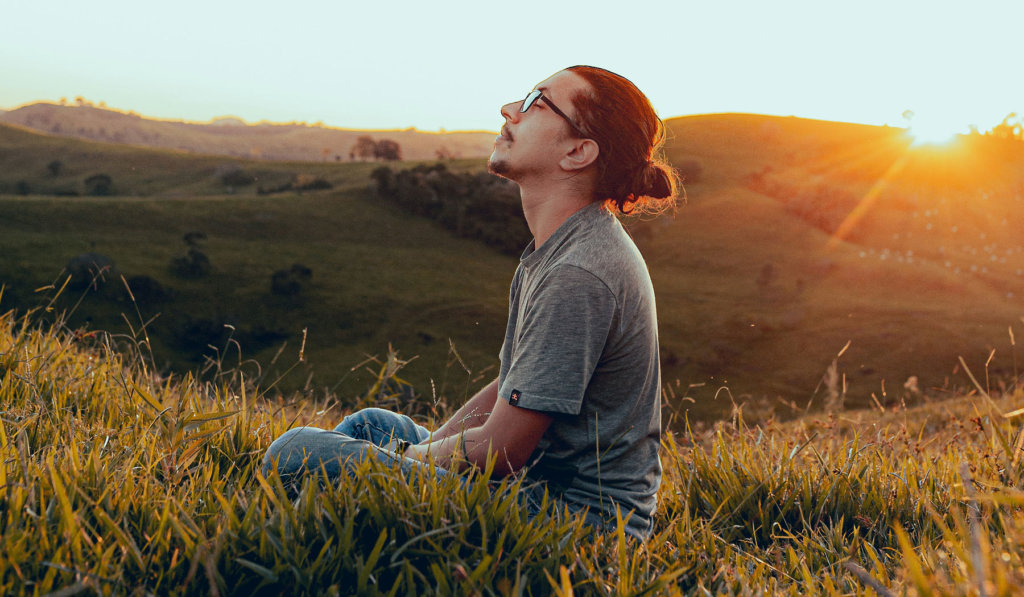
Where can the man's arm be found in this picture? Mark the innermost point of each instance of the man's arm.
(510, 434)
(472, 414)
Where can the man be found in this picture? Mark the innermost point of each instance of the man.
(576, 404)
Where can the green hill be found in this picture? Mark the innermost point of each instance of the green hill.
(760, 283)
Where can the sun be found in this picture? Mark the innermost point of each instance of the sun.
(930, 129)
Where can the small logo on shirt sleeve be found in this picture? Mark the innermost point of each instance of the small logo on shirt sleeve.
(513, 398)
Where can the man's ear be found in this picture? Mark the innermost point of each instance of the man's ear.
(582, 153)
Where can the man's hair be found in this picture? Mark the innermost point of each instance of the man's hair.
(631, 172)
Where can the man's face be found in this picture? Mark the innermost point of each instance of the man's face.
(533, 142)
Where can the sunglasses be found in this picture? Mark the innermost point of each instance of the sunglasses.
(532, 97)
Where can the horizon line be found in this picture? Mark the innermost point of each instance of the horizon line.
(439, 131)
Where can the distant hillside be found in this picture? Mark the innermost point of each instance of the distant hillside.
(803, 235)
(799, 237)
(232, 136)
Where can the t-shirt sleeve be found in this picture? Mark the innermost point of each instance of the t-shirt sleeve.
(561, 333)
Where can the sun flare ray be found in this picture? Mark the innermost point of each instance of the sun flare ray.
(864, 205)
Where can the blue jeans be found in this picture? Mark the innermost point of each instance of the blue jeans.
(375, 433)
(369, 433)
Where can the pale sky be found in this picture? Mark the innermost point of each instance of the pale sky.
(432, 65)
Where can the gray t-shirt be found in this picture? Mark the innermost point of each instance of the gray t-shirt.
(582, 346)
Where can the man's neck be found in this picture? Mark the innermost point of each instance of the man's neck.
(546, 207)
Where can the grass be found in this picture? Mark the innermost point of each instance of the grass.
(116, 480)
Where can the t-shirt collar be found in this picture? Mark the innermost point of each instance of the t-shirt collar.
(532, 255)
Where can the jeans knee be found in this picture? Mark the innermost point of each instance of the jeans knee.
(367, 423)
(370, 416)
(280, 451)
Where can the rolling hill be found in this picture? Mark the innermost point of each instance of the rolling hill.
(800, 239)
(233, 137)
(804, 235)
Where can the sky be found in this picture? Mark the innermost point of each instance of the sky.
(451, 65)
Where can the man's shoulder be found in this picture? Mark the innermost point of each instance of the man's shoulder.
(602, 247)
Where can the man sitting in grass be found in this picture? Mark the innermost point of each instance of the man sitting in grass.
(576, 405)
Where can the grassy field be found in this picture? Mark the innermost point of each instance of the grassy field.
(370, 277)
(758, 291)
(117, 481)
(379, 277)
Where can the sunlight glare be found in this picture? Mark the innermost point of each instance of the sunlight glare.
(929, 129)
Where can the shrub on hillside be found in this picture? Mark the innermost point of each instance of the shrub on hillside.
(195, 263)
(22, 187)
(99, 185)
(196, 334)
(299, 182)
(55, 167)
(290, 282)
(385, 180)
(146, 291)
(90, 270)
(232, 175)
(308, 182)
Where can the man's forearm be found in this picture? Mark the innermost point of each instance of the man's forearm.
(487, 427)
(463, 450)
(472, 414)
(450, 452)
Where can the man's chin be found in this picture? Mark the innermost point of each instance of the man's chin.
(499, 167)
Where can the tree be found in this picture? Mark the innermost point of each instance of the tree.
(388, 150)
(1012, 127)
(99, 185)
(146, 291)
(384, 179)
(195, 263)
(290, 282)
(90, 270)
(55, 167)
(365, 148)
(192, 238)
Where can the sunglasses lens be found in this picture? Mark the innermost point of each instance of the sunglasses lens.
(529, 100)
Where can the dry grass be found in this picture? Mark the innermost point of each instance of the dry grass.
(116, 481)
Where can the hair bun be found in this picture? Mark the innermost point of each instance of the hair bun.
(656, 181)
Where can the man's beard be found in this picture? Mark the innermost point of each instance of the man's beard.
(500, 168)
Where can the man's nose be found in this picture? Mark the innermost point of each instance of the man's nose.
(511, 111)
